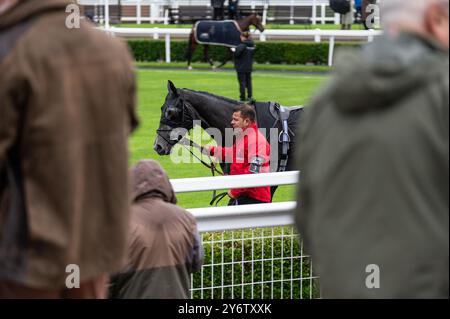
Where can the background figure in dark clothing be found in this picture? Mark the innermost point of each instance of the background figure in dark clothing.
(233, 13)
(243, 63)
(218, 12)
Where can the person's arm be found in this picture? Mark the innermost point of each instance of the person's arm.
(197, 252)
(257, 146)
(219, 152)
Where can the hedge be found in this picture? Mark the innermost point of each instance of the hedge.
(271, 278)
(266, 52)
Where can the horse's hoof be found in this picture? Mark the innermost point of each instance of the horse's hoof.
(189, 68)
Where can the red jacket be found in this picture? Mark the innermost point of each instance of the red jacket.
(247, 146)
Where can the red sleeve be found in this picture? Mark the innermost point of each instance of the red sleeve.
(220, 152)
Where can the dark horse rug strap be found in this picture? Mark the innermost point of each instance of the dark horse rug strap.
(225, 33)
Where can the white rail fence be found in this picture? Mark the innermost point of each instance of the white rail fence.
(251, 251)
(300, 35)
(158, 9)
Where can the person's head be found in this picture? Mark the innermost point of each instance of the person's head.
(243, 116)
(245, 36)
(427, 17)
(148, 179)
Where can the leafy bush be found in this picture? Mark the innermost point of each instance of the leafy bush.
(262, 263)
(266, 52)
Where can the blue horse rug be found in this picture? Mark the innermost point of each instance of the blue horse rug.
(226, 33)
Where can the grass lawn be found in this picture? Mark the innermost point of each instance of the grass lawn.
(287, 89)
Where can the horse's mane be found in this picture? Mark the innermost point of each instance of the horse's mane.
(218, 97)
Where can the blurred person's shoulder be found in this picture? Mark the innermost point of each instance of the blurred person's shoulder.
(53, 36)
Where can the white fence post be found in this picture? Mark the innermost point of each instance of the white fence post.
(167, 48)
(314, 13)
(107, 14)
(262, 37)
(264, 17)
(291, 18)
(370, 36)
(166, 16)
(331, 51)
(317, 37)
(323, 15)
(153, 12)
(138, 11)
(337, 18)
(156, 33)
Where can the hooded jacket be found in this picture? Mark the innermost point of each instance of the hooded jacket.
(164, 244)
(374, 161)
(67, 99)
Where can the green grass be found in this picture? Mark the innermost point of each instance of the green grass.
(287, 89)
(230, 66)
(268, 26)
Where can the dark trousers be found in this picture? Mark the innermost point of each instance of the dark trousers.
(218, 13)
(245, 82)
(233, 15)
(244, 200)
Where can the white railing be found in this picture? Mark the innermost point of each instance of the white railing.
(251, 251)
(317, 35)
(159, 12)
(200, 184)
(239, 217)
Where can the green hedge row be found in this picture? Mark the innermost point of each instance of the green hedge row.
(266, 52)
(262, 263)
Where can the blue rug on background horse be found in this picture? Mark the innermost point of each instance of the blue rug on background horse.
(225, 33)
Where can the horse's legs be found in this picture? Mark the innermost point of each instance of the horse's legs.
(229, 58)
(190, 50)
(206, 55)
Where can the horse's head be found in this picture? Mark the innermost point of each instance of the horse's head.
(256, 21)
(175, 121)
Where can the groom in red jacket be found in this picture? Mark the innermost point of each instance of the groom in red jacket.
(249, 154)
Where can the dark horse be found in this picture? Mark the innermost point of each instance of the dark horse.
(183, 106)
(244, 25)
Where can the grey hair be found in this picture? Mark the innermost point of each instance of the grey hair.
(401, 12)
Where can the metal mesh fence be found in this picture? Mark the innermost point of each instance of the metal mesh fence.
(261, 263)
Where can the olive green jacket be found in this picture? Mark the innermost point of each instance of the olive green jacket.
(374, 161)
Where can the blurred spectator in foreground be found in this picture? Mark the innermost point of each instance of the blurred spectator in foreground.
(66, 112)
(374, 160)
(164, 244)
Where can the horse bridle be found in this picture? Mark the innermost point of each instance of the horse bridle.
(187, 123)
